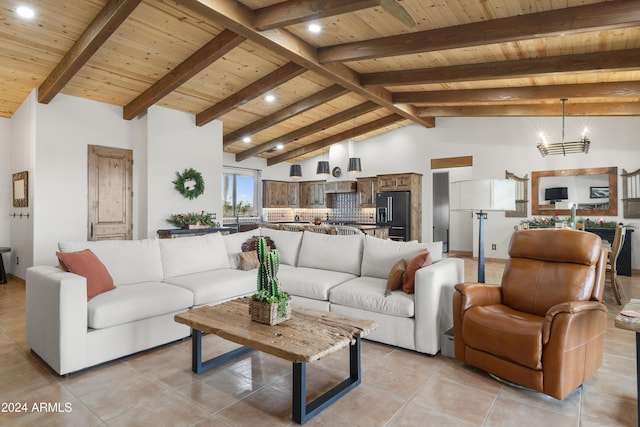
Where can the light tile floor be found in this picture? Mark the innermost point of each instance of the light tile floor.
(399, 387)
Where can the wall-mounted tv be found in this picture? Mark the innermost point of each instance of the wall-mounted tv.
(554, 194)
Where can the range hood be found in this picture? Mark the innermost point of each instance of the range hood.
(340, 187)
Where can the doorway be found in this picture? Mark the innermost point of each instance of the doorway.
(110, 193)
(441, 209)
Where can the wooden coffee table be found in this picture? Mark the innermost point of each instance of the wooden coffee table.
(308, 336)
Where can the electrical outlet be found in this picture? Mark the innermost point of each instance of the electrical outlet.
(493, 247)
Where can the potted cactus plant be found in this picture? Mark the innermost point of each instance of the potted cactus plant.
(269, 305)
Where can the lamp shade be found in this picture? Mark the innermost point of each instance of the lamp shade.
(483, 195)
(323, 168)
(354, 165)
(295, 171)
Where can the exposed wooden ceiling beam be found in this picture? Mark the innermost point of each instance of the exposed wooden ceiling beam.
(572, 109)
(288, 112)
(594, 90)
(586, 62)
(201, 59)
(239, 18)
(333, 139)
(330, 121)
(607, 15)
(252, 91)
(297, 11)
(114, 13)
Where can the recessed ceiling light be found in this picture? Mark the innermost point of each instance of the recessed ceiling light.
(314, 28)
(246, 139)
(25, 12)
(280, 146)
(270, 98)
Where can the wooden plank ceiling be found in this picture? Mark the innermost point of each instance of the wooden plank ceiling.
(364, 74)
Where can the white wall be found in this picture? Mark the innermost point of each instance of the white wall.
(5, 188)
(23, 137)
(175, 143)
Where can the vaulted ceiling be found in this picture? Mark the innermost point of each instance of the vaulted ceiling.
(376, 65)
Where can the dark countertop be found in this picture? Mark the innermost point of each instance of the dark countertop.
(176, 231)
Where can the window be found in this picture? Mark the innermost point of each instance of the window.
(240, 192)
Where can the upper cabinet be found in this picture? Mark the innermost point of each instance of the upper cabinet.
(367, 188)
(399, 182)
(274, 194)
(293, 194)
(312, 194)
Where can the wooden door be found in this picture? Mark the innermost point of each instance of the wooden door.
(110, 193)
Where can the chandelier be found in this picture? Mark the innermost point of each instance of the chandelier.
(564, 147)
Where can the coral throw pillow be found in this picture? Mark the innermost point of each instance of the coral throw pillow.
(394, 281)
(421, 260)
(86, 264)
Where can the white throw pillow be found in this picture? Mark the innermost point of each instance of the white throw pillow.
(233, 243)
(127, 261)
(331, 252)
(188, 255)
(287, 243)
(380, 254)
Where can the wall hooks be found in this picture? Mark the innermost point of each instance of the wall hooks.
(19, 215)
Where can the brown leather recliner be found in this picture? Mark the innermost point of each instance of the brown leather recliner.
(543, 328)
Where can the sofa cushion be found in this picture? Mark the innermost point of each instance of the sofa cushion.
(287, 242)
(311, 282)
(332, 252)
(86, 264)
(138, 301)
(233, 244)
(368, 293)
(379, 255)
(423, 259)
(128, 261)
(193, 254)
(396, 276)
(215, 286)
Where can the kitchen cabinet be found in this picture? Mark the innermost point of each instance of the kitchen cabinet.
(280, 194)
(274, 194)
(399, 182)
(312, 194)
(293, 194)
(411, 182)
(367, 192)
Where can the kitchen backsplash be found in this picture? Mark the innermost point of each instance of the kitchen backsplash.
(345, 209)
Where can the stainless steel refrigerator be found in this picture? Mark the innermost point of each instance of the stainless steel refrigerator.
(393, 210)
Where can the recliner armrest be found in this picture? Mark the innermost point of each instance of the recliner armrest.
(570, 308)
(479, 294)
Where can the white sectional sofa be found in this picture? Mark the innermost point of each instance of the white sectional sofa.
(155, 279)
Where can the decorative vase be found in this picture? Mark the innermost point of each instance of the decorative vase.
(269, 313)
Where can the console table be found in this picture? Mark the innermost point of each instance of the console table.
(624, 259)
(3, 273)
(172, 233)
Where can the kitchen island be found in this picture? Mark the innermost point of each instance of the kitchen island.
(374, 230)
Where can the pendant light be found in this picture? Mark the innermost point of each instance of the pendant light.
(564, 147)
(295, 170)
(354, 162)
(323, 167)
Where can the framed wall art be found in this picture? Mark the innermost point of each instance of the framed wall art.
(21, 189)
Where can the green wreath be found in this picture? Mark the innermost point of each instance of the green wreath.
(187, 191)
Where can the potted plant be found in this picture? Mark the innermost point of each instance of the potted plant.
(192, 220)
(317, 220)
(269, 305)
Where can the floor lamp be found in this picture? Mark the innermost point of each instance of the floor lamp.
(482, 196)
